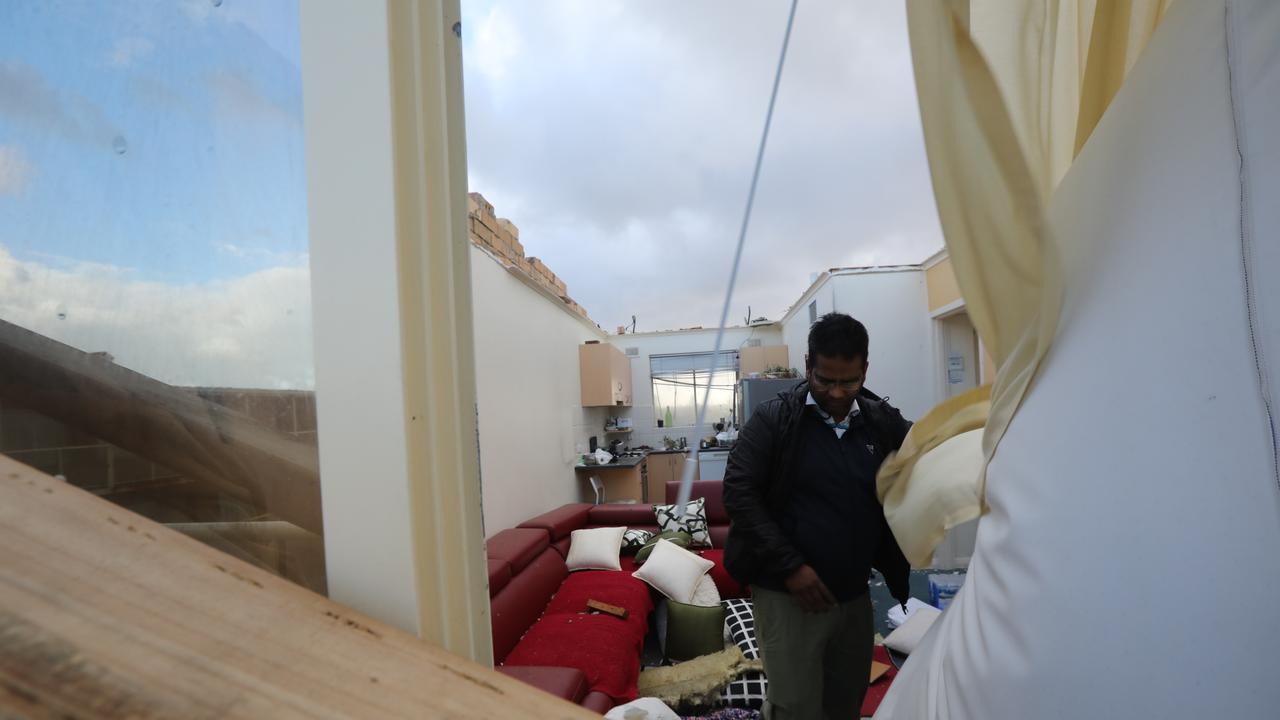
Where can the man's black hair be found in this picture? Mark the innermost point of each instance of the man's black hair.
(837, 335)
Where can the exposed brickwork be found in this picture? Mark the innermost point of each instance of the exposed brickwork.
(502, 237)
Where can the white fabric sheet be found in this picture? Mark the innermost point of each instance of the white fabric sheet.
(1143, 450)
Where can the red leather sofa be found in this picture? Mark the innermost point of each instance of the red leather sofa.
(540, 634)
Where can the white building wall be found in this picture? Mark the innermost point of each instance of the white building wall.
(894, 307)
(669, 343)
(529, 395)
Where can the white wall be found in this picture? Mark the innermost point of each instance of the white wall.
(529, 395)
(894, 307)
(668, 343)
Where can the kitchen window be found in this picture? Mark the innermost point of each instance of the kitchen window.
(680, 381)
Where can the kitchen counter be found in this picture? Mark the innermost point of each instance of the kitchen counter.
(618, 463)
(668, 452)
(623, 480)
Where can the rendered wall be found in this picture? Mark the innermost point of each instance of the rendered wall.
(527, 384)
(894, 307)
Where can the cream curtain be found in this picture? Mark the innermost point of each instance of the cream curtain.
(1010, 91)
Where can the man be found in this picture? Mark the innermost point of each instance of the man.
(806, 526)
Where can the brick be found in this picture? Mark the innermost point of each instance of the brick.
(484, 207)
(509, 227)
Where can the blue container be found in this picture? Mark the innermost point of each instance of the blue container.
(943, 589)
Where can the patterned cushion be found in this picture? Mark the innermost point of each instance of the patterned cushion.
(740, 618)
(635, 539)
(748, 690)
(695, 522)
(679, 537)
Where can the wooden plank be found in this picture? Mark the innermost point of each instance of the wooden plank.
(105, 614)
(168, 425)
(608, 609)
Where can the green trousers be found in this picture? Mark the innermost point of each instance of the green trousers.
(818, 664)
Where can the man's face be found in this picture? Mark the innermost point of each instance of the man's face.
(835, 381)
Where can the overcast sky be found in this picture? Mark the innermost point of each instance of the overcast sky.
(619, 136)
(152, 169)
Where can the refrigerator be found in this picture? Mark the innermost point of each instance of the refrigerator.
(753, 391)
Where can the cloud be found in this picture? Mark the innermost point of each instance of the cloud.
(239, 96)
(15, 171)
(263, 255)
(250, 331)
(620, 137)
(28, 99)
(127, 50)
(497, 43)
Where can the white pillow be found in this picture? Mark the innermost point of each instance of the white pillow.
(910, 633)
(705, 593)
(595, 549)
(646, 708)
(673, 571)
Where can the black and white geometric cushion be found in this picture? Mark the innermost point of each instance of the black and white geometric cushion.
(750, 688)
(739, 616)
(695, 522)
(635, 539)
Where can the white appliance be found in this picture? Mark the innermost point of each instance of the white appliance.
(711, 464)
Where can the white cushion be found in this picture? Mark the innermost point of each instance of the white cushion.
(595, 549)
(673, 571)
(897, 615)
(910, 633)
(705, 593)
(646, 708)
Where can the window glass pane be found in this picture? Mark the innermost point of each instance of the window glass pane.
(155, 322)
(680, 381)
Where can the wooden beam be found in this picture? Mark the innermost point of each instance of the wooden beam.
(106, 614)
(168, 425)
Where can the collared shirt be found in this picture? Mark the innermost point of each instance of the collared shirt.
(840, 427)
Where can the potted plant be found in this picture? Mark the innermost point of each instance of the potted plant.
(780, 372)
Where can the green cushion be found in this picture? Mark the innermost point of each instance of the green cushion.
(679, 537)
(693, 631)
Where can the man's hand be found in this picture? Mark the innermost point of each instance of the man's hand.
(809, 591)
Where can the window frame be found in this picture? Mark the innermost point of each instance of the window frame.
(696, 368)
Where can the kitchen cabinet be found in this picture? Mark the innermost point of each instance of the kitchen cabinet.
(605, 375)
(664, 467)
(623, 483)
(757, 359)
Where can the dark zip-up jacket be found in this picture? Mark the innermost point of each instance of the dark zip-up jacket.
(756, 490)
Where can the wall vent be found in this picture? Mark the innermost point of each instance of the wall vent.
(633, 352)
